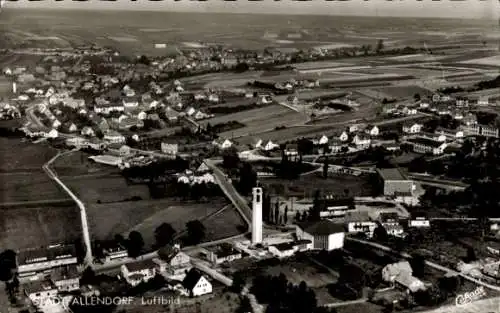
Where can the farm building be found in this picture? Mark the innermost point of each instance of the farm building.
(32, 261)
(395, 182)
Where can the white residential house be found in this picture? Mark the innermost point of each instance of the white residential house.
(138, 272)
(353, 128)
(142, 115)
(483, 100)
(72, 128)
(87, 131)
(372, 131)
(361, 141)
(195, 284)
(170, 148)
(56, 124)
(419, 222)
(424, 105)
(425, 145)
(269, 146)
(413, 128)
(288, 249)
(116, 252)
(190, 111)
(112, 136)
(344, 136)
(175, 262)
(323, 140)
(223, 143)
(409, 111)
(222, 253)
(213, 98)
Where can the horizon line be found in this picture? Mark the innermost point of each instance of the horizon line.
(150, 10)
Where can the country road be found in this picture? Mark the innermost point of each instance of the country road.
(88, 260)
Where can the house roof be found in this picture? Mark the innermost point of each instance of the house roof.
(391, 174)
(321, 228)
(38, 286)
(426, 142)
(191, 279)
(64, 272)
(140, 265)
(45, 254)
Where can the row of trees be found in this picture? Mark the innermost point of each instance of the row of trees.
(164, 234)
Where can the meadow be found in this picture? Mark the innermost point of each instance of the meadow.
(22, 228)
(107, 220)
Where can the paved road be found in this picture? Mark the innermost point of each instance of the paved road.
(429, 263)
(88, 260)
(227, 187)
(345, 303)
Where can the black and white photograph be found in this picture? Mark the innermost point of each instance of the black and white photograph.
(214, 156)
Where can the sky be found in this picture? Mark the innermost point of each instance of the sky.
(477, 9)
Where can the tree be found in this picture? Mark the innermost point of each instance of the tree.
(316, 208)
(238, 282)
(135, 244)
(298, 217)
(417, 263)
(164, 234)
(380, 45)
(88, 276)
(471, 255)
(285, 216)
(325, 168)
(380, 233)
(195, 231)
(276, 212)
(416, 97)
(7, 265)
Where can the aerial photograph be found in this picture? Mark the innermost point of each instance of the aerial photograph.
(250, 157)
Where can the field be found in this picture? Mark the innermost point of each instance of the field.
(77, 164)
(107, 188)
(306, 185)
(107, 220)
(21, 172)
(406, 91)
(34, 227)
(224, 224)
(493, 60)
(258, 120)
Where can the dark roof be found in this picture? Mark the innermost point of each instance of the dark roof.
(323, 227)
(224, 250)
(388, 216)
(64, 272)
(285, 246)
(191, 279)
(391, 174)
(45, 254)
(426, 142)
(140, 265)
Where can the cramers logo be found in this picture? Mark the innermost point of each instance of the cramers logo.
(470, 297)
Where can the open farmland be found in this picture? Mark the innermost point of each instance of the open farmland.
(258, 120)
(405, 91)
(77, 164)
(224, 224)
(29, 186)
(109, 188)
(34, 227)
(107, 220)
(306, 185)
(21, 172)
(492, 60)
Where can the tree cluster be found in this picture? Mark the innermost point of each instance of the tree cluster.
(282, 296)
